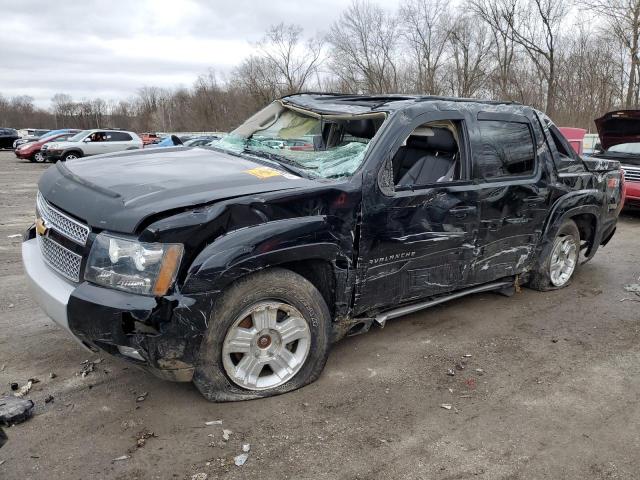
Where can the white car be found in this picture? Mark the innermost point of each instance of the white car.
(93, 142)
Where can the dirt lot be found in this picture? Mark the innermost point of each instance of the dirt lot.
(557, 398)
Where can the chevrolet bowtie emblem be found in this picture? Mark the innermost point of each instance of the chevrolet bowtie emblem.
(41, 227)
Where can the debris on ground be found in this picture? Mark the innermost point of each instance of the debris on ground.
(479, 371)
(141, 438)
(89, 366)
(213, 422)
(14, 410)
(52, 375)
(121, 458)
(459, 366)
(15, 235)
(142, 397)
(451, 372)
(246, 447)
(199, 476)
(22, 391)
(226, 434)
(554, 340)
(467, 355)
(446, 406)
(14, 386)
(4, 365)
(240, 459)
(471, 383)
(1, 462)
(633, 288)
(48, 399)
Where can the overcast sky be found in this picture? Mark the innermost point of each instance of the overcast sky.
(110, 48)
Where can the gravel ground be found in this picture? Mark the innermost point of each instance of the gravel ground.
(556, 396)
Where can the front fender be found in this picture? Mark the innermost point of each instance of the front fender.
(250, 249)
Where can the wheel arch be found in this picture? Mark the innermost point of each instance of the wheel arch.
(304, 246)
(584, 208)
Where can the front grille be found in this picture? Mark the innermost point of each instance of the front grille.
(61, 223)
(631, 174)
(61, 259)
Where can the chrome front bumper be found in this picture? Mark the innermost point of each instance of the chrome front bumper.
(51, 291)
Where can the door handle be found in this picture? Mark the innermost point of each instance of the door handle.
(460, 212)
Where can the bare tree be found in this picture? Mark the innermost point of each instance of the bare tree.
(533, 25)
(295, 61)
(363, 40)
(623, 19)
(426, 27)
(470, 47)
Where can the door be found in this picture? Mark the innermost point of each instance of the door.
(508, 152)
(420, 220)
(118, 141)
(95, 143)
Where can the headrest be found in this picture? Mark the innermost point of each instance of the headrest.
(364, 128)
(442, 140)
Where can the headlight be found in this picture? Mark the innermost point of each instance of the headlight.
(138, 267)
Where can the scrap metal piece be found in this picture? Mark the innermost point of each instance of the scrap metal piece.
(14, 410)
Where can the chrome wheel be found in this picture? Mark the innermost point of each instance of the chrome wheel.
(266, 346)
(38, 157)
(71, 156)
(564, 259)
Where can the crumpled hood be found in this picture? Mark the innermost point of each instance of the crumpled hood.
(118, 192)
(619, 126)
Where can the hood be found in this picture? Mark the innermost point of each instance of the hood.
(620, 126)
(118, 192)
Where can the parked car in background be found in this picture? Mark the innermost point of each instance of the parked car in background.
(590, 144)
(93, 142)
(35, 151)
(575, 137)
(619, 133)
(238, 265)
(31, 135)
(200, 141)
(150, 138)
(170, 141)
(7, 137)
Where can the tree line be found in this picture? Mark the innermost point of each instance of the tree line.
(575, 61)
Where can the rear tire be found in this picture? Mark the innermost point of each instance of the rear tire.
(268, 334)
(71, 156)
(562, 260)
(38, 158)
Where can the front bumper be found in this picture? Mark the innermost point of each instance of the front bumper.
(632, 194)
(53, 156)
(24, 154)
(50, 291)
(162, 335)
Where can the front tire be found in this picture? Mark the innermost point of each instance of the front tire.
(268, 334)
(561, 262)
(71, 156)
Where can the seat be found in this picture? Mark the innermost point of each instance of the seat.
(426, 159)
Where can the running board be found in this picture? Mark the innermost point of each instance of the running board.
(382, 318)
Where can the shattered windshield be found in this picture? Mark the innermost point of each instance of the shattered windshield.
(327, 147)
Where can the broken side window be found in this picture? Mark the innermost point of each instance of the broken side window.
(429, 155)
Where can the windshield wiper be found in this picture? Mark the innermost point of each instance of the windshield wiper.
(281, 160)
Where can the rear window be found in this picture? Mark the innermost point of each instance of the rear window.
(505, 149)
(119, 137)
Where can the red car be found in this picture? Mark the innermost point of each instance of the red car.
(32, 151)
(620, 139)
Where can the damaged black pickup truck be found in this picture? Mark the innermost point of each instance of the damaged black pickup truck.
(237, 265)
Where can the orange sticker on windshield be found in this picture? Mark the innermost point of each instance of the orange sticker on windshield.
(263, 172)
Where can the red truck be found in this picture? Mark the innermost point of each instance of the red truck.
(620, 139)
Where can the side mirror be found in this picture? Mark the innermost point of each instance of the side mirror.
(86, 140)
